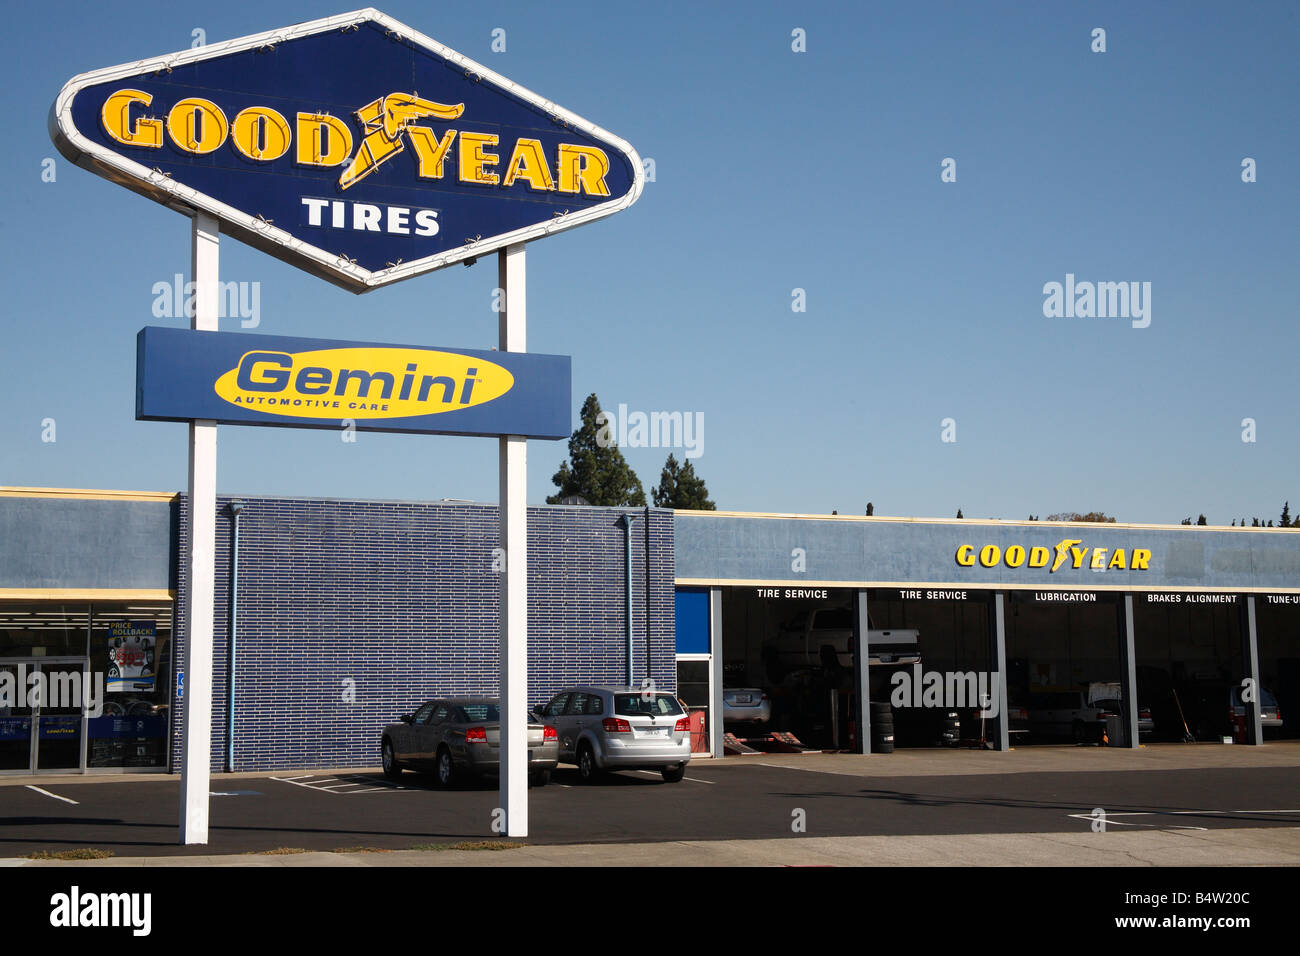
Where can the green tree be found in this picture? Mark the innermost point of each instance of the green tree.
(680, 487)
(1075, 516)
(1200, 519)
(1286, 514)
(596, 469)
(959, 514)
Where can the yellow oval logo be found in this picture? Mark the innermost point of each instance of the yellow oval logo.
(361, 382)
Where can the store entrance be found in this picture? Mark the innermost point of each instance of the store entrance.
(42, 714)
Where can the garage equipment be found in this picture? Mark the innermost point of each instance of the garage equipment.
(1187, 734)
(733, 746)
(775, 742)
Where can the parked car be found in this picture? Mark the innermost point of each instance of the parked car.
(620, 728)
(460, 738)
(1270, 716)
(802, 642)
(1080, 714)
(746, 705)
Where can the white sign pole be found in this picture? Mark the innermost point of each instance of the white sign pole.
(200, 566)
(512, 322)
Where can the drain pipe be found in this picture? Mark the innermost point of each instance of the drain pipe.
(235, 508)
(626, 520)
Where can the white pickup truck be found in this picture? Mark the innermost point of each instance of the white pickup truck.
(801, 643)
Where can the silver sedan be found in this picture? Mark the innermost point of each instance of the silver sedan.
(459, 738)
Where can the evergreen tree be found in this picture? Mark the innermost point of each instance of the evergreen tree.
(1201, 520)
(871, 509)
(679, 487)
(959, 514)
(1286, 514)
(598, 472)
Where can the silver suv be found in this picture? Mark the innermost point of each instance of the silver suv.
(620, 728)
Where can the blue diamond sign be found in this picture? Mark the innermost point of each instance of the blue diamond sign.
(353, 147)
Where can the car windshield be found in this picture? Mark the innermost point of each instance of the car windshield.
(632, 705)
(477, 712)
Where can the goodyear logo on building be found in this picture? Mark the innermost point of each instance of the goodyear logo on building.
(239, 379)
(352, 146)
(1067, 553)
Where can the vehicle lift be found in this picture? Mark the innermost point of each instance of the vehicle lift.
(773, 742)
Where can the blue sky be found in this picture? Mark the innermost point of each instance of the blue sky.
(774, 170)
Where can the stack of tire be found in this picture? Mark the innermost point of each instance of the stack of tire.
(882, 727)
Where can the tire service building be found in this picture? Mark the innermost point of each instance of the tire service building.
(333, 617)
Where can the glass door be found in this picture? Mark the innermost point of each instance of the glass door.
(16, 744)
(59, 713)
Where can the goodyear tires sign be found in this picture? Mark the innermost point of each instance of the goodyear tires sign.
(352, 146)
(239, 379)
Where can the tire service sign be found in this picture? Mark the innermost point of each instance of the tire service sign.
(352, 146)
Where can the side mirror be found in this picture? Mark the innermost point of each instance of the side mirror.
(406, 718)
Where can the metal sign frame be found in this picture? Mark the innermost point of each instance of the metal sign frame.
(278, 242)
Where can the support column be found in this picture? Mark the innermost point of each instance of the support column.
(1128, 668)
(715, 672)
(1254, 718)
(861, 670)
(200, 563)
(1000, 668)
(513, 518)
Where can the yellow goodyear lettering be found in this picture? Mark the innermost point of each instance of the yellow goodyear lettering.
(197, 125)
(261, 133)
(583, 169)
(1015, 556)
(388, 123)
(323, 140)
(367, 382)
(116, 117)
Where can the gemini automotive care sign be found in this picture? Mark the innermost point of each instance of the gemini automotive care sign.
(352, 146)
(240, 379)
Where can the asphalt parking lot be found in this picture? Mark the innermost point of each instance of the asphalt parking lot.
(719, 800)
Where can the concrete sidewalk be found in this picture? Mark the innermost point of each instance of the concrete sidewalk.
(1230, 847)
(920, 762)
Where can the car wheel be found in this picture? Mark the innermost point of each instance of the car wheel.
(446, 768)
(392, 769)
(587, 769)
(674, 773)
(539, 778)
(1080, 736)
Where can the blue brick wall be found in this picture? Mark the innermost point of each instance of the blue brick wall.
(399, 598)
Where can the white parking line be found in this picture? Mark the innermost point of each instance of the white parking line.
(1108, 821)
(336, 788)
(54, 795)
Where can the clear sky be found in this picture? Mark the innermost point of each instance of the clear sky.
(775, 170)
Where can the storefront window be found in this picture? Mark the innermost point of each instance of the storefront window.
(130, 650)
(84, 686)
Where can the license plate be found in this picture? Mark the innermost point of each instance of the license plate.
(654, 732)
(743, 699)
